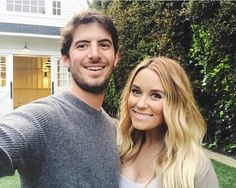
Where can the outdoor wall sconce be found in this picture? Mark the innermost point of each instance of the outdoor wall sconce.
(25, 48)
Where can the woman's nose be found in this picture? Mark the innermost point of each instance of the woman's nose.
(142, 102)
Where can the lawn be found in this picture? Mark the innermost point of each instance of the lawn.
(226, 176)
(10, 182)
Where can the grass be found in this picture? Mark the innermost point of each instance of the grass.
(226, 176)
(10, 181)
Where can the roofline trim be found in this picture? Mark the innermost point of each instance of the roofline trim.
(29, 35)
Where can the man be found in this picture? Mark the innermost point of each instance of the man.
(66, 140)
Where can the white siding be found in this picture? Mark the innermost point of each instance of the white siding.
(68, 9)
(11, 44)
(38, 46)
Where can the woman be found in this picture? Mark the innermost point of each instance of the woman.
(161, 130)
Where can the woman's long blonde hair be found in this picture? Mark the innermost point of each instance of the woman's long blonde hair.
(182, 155)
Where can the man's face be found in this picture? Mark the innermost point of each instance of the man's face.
(91, 58)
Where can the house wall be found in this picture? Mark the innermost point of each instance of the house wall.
(24, 76)
(38, 46)
(68, 9)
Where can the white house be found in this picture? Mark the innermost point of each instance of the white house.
(30, 65)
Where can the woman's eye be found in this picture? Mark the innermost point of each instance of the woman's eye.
(135, 92)
(156, 96)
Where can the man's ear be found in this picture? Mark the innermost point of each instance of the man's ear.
(117, 58)
(66, 60)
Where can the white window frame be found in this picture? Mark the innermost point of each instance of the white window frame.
(63, 76)
(3, 71)
(26, 6)
(56, 8)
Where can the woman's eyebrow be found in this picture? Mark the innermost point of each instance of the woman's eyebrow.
(153, 90)
(158, 91)
(135, 86)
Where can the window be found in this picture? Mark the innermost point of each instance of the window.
(56, 8)
(2, 71)
(63, 76)
(30, 6)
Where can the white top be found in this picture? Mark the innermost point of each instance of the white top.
(126, 183)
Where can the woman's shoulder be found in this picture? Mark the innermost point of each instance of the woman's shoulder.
(206, 176)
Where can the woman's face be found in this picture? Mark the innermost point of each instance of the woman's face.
(145, 101)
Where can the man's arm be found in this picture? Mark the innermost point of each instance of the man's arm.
(22, 138)
(6, 165)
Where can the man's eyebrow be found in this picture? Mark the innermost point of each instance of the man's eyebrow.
(105, 40)
(81, 41)
(88, 41)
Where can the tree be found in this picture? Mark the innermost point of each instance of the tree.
(199, 34)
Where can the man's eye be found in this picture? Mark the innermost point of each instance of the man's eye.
(135, 92)
(156, 96)
(105, 45)
(81, 46)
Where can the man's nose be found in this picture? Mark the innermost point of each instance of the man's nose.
(94, 53)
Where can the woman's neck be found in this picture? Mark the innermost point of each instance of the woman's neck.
(154, 138)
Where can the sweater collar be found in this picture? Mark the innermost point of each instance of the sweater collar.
(80, 104)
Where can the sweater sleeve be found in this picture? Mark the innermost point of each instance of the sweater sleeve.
(22, 138)
(6, 166)
(206, 178)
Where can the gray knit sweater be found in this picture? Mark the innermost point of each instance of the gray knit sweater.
(59, 142)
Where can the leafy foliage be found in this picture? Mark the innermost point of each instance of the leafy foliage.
(213, 55)
(199, 34)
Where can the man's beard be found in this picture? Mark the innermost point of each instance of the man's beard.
(95, 89)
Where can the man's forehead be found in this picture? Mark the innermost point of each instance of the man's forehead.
(92, 31)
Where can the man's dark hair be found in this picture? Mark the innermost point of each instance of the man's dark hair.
(87, 17)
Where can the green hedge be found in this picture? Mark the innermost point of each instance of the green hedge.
(199, 34)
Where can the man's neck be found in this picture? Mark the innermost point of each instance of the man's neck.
(93, 100)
